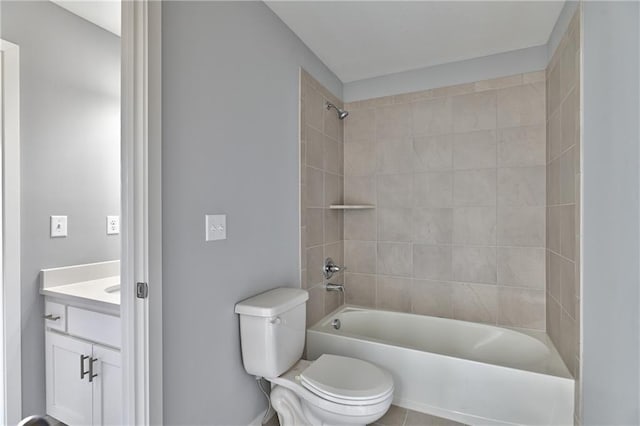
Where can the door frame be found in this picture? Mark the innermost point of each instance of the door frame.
(11, 392)
(141, 209)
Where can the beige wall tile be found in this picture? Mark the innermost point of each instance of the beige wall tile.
(395, 259)
(333, 189)
(499, 83)
(432, 117)
(394, 224)
(333, 226)
(360, 126)
(336, 252)
(569, 337)
(521, 226)
(360, 159)
(568, 231)
(360, 256)
(393, 121)
(566, 177)
(556, 266)
(534, 77)
(474, 264)
(432, 298)
(474, 187)
(521, 308)
(475, 302)
(521, 105)
(553, 314)
(360, 189)
(393, 293)
(521, 267)
(315, 305)
(360, 289)
(315, 260)
(553, 228)
(315, 148)
(360, 225)
(476, 111)
(569, 289)
(554, 131)
(522, 146)
(395, 190)
(432, 262)
(315, 227)
(475, 150)
(432, 225)
(458, 89)
(431, 153)
(522, 186)
(333, 156)
(474, 225)
(313, 107)
(570, 120)
(315, 188)
(433, 189)
(395, 156)
(332, 301)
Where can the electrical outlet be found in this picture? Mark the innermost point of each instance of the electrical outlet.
(58, 226)
(216, 227)
(113, 225)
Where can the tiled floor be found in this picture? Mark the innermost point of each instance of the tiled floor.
(397, 416)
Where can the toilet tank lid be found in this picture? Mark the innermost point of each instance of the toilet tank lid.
(272, 302)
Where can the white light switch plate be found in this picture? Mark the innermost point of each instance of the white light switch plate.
(58, 226)
(216, 227)
(113, 225)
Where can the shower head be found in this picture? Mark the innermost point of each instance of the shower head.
(342, 114)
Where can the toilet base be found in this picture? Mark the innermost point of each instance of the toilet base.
(294, 411)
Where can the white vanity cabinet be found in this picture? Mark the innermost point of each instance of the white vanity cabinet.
(83, 365)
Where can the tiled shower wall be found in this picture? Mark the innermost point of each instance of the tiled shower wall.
(321, 184)
(457, 175)
(563, 198)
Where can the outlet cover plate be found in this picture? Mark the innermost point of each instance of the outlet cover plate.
(113, 225)
(216, 227)
(58, 226)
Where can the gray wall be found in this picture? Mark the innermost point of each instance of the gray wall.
(230, 145)
(70, 133)
(610, 213)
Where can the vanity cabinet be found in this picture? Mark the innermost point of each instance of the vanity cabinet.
(83, 374)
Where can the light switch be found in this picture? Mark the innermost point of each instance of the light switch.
(113, 225)
(58, 226)
(216, 227)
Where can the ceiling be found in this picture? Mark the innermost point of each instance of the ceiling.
(363, 39)
(103, 13)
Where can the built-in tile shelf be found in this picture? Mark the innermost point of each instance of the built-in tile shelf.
(351, 206)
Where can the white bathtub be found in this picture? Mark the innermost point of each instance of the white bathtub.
(472, 373)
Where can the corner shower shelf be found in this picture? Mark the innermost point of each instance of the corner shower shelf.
(351, 206)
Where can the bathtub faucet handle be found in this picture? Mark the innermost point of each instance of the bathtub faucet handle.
(331, 268)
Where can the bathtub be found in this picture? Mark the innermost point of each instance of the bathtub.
(473, 373)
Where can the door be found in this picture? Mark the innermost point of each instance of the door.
(69, 392)
(107, 387)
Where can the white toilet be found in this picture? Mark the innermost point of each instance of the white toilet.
(333, 390)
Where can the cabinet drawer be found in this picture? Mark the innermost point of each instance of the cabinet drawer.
(94, 326)
(55, 316)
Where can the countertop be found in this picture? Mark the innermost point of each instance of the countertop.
(90, 291)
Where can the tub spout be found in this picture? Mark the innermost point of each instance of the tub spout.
(334, 287)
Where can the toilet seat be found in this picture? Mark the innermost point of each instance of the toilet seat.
(347, 381)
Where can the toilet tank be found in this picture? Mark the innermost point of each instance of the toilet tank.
(272, 330)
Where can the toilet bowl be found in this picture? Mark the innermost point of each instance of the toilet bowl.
(333, 390)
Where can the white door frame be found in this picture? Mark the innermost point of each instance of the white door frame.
(141, 259)
(11, 392)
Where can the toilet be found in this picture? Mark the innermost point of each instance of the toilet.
(332, 390)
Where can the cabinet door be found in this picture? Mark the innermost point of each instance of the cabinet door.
(69, 397)
(107, 387)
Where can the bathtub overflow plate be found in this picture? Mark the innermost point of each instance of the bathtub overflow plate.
(336, 324)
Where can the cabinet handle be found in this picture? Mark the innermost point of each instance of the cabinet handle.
(82, 372)
(91, 375)
(50, 317)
